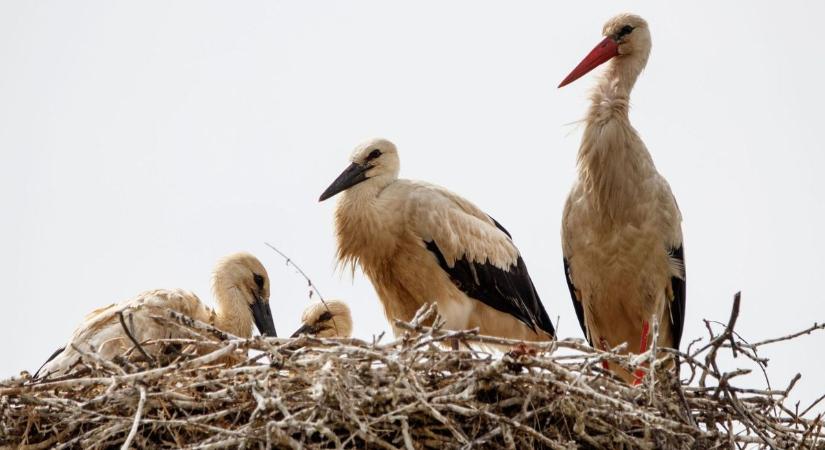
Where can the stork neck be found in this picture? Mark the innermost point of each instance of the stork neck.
(613, 161)
(232, 311)
(362, 224)
(614, 175)
(621, 74)
(363, 195)
(611, 97)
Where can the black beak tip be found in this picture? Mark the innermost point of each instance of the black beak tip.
(269, 331)
(351, 176)
(262, 315)
(333, 189)
(305, 329)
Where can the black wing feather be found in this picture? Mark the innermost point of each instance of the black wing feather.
(577, 304)
(501, 227)
(677, 305)
(54, 355)
(510, 291)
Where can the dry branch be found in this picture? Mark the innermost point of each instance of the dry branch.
(409, 393)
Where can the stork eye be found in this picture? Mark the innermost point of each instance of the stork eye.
(374, 154)
(627, 29)
(259, 280)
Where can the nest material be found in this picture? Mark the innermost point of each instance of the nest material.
(411, 393)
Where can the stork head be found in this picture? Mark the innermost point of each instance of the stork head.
(241, 288)
(626, 38)
(326, 319)
(374, 162)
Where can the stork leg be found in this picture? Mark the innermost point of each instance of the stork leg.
(603, 344)
(639, 373)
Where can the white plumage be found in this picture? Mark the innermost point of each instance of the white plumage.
(241, 289)
(621, 229)
(420, 243)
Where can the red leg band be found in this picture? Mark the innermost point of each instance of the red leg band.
(603, 344)
(639, 373)
(645, 331)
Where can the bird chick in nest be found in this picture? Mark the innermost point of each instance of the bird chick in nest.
(328, 319)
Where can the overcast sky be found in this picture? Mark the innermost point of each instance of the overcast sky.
(141, 141)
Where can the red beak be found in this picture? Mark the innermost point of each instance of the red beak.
(606, 49)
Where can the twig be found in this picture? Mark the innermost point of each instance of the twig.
(809, 330)
(136, 422)
(290, 262)
(310, 284)
(134, 341)
(814, 403)
(716, 342)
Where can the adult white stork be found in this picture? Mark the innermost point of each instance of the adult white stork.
(328, 319)
(241, 288)
(621, 229)
(420, 243)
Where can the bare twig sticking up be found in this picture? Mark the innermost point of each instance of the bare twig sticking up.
(310, 284)
(290, 262)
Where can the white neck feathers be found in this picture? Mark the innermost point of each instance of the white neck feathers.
(613, 161)
(361, 223)
(232, 311)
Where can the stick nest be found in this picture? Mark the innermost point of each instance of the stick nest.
(217, 390)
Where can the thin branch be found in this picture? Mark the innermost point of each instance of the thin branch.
(290, 262)
(809, 330)
(136, 422)
(814, 403)
(716, 342)
(135, 341)
(310, 284)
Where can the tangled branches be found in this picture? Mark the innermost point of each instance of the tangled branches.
(215, 391)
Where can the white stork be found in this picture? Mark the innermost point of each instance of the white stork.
(241, 288)
(621, 229)
(328, 319)
(420, 243)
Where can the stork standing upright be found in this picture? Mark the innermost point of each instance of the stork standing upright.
(621, 229)
(419, 243)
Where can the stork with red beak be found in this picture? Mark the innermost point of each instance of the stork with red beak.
(621, 229)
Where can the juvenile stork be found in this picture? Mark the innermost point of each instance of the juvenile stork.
(420, 243)
(328, 319)
(241, 288)
(621, 229)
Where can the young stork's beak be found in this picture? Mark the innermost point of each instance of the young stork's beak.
(263, 317)
(305, 329)
(351, 176)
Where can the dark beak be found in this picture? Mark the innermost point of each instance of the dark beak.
(351, 176)
(305, 329)
(263, 317)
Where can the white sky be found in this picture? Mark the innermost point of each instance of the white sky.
(141, 141)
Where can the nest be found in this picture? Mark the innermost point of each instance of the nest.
(217, 390)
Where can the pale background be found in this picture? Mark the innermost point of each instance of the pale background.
(143, 140)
